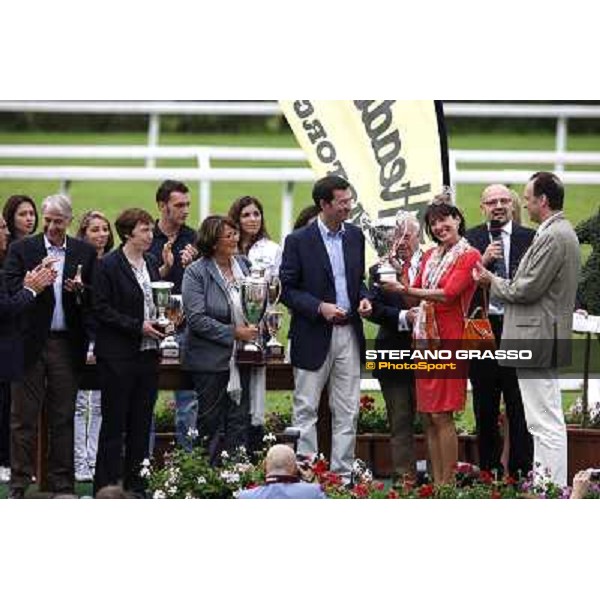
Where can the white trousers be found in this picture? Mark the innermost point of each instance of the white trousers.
(341, 372)
(542, 402)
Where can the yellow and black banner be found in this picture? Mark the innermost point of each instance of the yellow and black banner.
(393, 152)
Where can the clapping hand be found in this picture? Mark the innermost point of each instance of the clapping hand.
(364, 308)
(40, 278)
(188, 255)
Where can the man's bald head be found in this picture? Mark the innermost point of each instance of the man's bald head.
(497, 203)
(281, 461)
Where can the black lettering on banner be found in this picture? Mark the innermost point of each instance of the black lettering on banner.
(326, 151)
(303, 108)
(377, 118)
(314, 129)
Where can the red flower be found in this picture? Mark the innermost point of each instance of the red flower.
(486, 477)
(367, 403)
(508, 480)
(361, 490)
(495, 495)
(320, 467)
(426, 491)
(393, 495)
(251, 485)
(378, 485)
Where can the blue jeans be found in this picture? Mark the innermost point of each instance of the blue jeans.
(186, 414)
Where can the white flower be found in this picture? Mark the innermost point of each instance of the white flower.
(146, 462)
(159, 495)
(201, 480)
(145, 472)
(224, 455)
(172, 490)
(270, 438)
(192, 433)
(230, 477)
(188, 496)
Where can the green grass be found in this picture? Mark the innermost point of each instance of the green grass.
(112, 197)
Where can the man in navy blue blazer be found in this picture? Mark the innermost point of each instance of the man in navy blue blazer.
(322, 276)
(502, 243)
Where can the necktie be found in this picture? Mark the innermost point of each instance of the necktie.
(499, 266)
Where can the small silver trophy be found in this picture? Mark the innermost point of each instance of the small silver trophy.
(161, 291)
(275, 351)
(254, 292)
(169, 347)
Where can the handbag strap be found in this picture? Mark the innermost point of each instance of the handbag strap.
(484, 308)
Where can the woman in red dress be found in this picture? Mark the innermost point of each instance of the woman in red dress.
(444, 286)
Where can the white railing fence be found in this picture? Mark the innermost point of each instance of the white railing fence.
(154, 110)
(205, 173)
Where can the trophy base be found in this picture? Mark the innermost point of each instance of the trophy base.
(169, 348)
(249, 357)
(275, 353)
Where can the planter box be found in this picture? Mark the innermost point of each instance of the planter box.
(583, 449)
(374, 449)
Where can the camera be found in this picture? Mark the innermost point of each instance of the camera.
(594, 474)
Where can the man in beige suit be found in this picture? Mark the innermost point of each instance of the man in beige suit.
(539, 303)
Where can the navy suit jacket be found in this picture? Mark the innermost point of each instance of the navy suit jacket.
(26, 254)
(520, 240)
(11, 343)
(119, 306)
(307, 280)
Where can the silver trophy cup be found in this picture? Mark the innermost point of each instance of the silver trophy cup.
(254, 292)
(161, 292)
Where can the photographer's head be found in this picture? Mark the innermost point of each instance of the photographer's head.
(280, 463)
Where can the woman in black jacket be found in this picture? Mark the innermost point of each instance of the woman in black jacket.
(127, 352)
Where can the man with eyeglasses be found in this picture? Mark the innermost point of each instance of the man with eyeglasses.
(539, 301)
(322, 275)
(502, 243)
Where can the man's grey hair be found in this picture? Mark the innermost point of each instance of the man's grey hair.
(410, 219)
(59, 203)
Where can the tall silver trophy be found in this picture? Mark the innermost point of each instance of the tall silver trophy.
(274, 350)
(381, 234)
(254, 292)
(161, 292)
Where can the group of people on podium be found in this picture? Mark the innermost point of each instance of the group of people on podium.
(63, 298)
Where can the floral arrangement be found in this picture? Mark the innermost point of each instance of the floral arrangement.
(189, 475)
(574, 416)
(164, 414)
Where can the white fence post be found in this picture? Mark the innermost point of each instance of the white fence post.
(204, 186)
(287, 206)
(153, 133)
(561, 142)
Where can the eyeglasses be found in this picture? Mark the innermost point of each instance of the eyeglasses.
(231, 236)
(495, 201)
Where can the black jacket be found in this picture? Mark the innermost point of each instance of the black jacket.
(386, 310)
(35, 321)
(520, 240)
(119, 306)
(11, 343)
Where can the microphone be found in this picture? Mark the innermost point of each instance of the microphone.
(496, 230)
